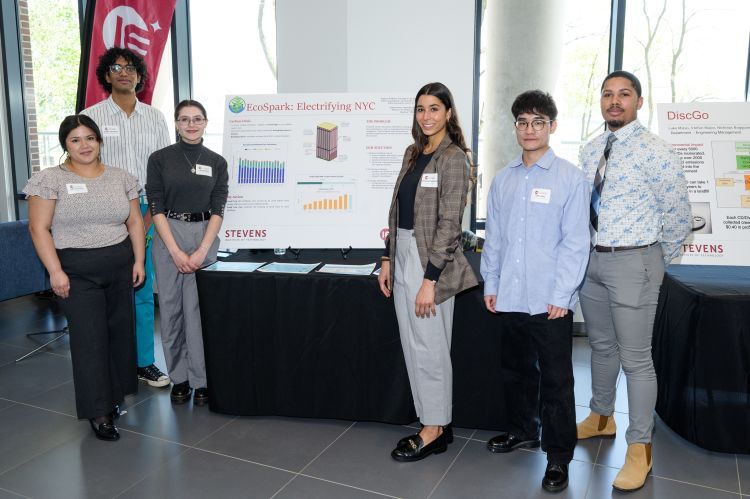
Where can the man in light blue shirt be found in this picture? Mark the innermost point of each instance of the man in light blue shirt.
(534, 259)
(640, 215)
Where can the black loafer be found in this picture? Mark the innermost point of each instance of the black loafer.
(507, 442)
(201, 396)
(105, 431)
(414, 448)
(181, 392)
(555, 477)
(447, 431)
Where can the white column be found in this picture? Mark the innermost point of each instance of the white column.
(523, 47)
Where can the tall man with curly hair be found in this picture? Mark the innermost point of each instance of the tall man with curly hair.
(132, 130)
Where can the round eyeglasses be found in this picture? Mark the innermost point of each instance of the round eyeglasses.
(536, 125)
(117, 69)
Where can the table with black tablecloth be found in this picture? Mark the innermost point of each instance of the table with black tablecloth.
(327, 346)
(701, 351)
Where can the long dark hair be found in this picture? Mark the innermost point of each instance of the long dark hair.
(452, 127)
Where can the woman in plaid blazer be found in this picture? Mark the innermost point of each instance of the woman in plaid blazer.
(424, 265)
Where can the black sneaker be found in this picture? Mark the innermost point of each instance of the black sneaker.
(153, 376)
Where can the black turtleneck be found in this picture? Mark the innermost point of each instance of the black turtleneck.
(174, 184)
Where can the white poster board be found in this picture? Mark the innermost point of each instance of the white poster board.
(312, 170)
(713, 140)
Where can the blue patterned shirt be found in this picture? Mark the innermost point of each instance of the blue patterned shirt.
(645, 197)
(537, 236)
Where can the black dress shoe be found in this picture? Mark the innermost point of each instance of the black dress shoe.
(201, 396)
(447, 431)
(414, 448)
(181, 392)
(506, 442)
(555, 477)
(105, 431)
(115, 414)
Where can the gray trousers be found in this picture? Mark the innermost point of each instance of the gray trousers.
(618, 301)
(426, 341)
(179, 315)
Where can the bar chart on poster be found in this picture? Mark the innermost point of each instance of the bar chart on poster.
(312, 170)
(713, 142)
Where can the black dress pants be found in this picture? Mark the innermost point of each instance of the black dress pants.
(538, 381)
(101, 320)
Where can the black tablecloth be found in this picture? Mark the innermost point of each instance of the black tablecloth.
(702, 355)
(327, 346)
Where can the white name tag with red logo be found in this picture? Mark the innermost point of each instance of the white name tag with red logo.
(110, 131)
(430, 180)
(77, 188)
(540, 195)
(203, 170)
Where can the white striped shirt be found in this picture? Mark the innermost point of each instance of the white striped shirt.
(129, 140)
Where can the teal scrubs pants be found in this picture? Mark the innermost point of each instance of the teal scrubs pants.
(144, 306)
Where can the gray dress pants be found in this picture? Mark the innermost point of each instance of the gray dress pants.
(179, 315)
(618, 301)
(426, 341)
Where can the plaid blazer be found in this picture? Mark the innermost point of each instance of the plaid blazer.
(437, 219)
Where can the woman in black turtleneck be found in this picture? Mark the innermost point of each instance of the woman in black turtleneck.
(187, 187)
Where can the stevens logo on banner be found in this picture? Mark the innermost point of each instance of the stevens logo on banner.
(707, 250)
(245, 233)
(139, 25)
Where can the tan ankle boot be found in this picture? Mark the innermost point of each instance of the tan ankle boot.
(633, 473)
(596, 425)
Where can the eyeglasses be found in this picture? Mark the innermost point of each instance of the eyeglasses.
(536, 125)
(197, 120)
(117, 69)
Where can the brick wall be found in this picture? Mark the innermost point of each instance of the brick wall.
(28, 83)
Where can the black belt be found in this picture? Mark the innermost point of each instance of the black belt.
(612, 249)
(188, 217)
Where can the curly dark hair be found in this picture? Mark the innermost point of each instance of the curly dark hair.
(110, 57)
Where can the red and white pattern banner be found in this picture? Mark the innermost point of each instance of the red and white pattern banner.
(139, 25)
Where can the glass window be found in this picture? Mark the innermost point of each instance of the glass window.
(163, 96)
(686, 50)
(583, 66)
(243, 63)
(51, 48)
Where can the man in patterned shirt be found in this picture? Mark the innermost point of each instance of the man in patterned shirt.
(640, 215)
(132, 131)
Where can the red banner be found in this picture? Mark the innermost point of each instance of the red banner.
(139, 25)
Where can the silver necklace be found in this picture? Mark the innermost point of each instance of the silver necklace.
(192, 166)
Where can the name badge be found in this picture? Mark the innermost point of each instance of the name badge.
(110, 131)
(77, 188)
(430, 180)
(540, 195)
(203, 170)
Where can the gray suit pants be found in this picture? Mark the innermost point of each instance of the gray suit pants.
(618, 301)
(179, 315)
(426, 341)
